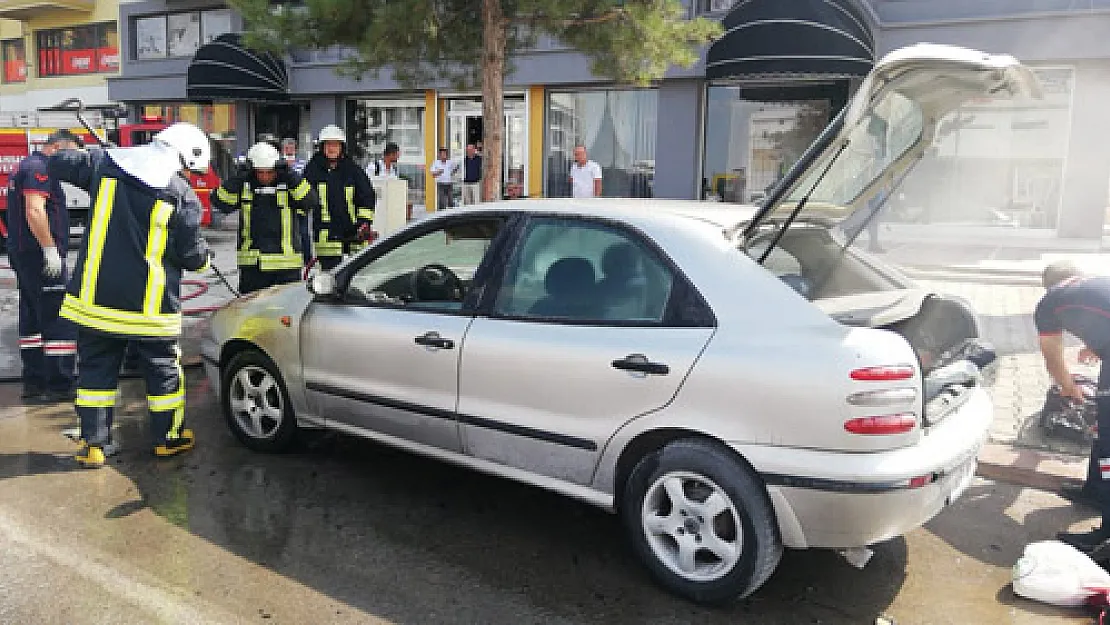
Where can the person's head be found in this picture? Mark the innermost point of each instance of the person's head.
(580, 154)
(264, 158)
(471, 149)
(60, 140)
(443, 154)
(1059, 271)
(332, 142)
(289, 147)
(190, 143)
(392, 152)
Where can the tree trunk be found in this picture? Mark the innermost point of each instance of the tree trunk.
(493, 107)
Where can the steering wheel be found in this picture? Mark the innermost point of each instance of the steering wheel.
(436, 283)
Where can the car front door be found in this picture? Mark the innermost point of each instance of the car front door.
(383, 355)
(588, 327)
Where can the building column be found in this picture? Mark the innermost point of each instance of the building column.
(323, 111)
(537, 152)
(244, 128)
(1086, 184)
(431, 138)
(678, 139)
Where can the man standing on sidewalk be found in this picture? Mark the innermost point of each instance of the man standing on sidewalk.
(1080, 305)
(585, 175)
(443, 169)
(472, 176)
(38, 240)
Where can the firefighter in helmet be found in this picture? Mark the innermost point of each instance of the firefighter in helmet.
(143, 233)
(275, 202)
(342, 222)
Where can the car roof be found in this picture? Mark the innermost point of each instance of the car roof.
(631, 210)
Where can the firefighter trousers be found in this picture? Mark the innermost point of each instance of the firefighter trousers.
(252, 279)
(98, 388)
(47, 342)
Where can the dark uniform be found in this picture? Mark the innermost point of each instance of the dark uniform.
(47, 343)
(346, 203)
(271, 245)
(1081, 306)
(126, 287)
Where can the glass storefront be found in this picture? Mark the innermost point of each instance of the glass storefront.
(618, 129)
(218, 120)
(995, 162)
(752, 140)
(465, 126)
(373, 123)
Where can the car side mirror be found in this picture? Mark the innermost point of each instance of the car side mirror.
(322, 284)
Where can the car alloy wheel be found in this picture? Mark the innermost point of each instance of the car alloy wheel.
(256, 402)
(692, 526)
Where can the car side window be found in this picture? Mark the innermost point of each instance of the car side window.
(578, 270)
(433, 271)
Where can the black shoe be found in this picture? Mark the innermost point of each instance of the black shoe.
(31, 392)
(1085, 541)
(60, 397)
(1080, 494)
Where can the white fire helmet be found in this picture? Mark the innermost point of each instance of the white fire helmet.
(190, 143)
(331, 132)
(262, 155)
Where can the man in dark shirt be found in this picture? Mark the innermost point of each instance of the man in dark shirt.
(1080, 305)
(472, 176)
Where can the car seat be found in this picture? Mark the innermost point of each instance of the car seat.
(622, 287)
(571, 287)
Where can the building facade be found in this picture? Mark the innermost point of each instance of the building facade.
(725, 129)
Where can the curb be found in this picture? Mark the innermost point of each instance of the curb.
(1032, 468)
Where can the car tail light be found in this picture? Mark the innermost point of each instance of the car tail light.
(881, 425)
(886, 373)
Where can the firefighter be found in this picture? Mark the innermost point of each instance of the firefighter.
(143, 232)
(342, 221)
(38, 240)
(275, 202)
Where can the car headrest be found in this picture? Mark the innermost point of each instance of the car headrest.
(619, 261)
(569, 276)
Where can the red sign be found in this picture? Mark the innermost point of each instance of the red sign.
(79, 62)
(15, 71)
(13, 149)
(109, 59)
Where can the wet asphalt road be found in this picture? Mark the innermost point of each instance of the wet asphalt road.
(346, 531)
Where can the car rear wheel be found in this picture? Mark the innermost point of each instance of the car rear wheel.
(701, 521)
(256, 403)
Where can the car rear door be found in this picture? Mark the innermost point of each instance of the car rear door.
(589, 327)
(383, 357)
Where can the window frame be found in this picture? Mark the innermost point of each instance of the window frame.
(685, 306)
(98, 31)
(164, 18)
(486, 268)
(4, 43)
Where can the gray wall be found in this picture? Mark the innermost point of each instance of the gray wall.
(1087, 169)
(678, 142)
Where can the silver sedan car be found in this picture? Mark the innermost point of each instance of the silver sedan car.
(732, 381)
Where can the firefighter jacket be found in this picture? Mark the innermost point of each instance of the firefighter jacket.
(272, 218)
(346, 202)
(139, 240)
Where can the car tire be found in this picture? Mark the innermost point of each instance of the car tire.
(256, 403)
(719, 544)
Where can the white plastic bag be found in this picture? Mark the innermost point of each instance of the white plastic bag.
(1054, 572)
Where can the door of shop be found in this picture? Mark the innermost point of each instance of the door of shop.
(464, 126)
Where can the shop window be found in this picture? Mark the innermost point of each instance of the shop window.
(90, 49)
(178, 34)
(714, 6)
(373, 123)
(618, 129)
(217, 120)
(14, 53)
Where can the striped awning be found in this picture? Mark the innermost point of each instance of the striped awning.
(225, 70)
(792, 38)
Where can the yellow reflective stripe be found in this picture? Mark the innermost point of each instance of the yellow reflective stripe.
(98, 233)
(330, 248)
(91, 398)
(166, 402)
(245, 216)
(179, 410)
(322, 189)
(247, 193)
(226, 196)
(118, 321)
(300, 192)
(366, 213)
(247, 257)
(155, 250)
(349, 193)
(276, 262)
(287, 230)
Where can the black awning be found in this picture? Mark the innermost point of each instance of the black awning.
(225, 70)
(792, 38)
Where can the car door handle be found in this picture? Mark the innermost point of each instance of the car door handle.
(640, 363)
(433, 339)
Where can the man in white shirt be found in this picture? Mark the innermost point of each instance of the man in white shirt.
(443, 169)
(585, 175)
(386, 166)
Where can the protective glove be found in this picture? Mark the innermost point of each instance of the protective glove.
(52, 262)
(367, 233)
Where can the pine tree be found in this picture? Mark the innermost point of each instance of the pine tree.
(472, 42)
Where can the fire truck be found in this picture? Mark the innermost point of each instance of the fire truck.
(18, 143)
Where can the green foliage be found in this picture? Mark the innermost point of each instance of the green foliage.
(632, 41)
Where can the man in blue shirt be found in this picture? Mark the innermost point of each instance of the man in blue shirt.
(38, 225)
(472, 176)
(1080, 305)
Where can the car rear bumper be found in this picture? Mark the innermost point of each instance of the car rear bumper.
(841, 500)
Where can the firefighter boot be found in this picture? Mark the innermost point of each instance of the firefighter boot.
(174, 446)
(90, 456)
